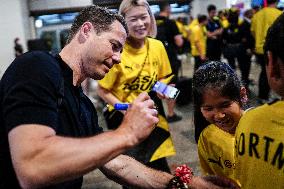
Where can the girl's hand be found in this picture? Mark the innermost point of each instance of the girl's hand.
(163, 96)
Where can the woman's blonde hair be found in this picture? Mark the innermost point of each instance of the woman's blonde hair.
(128, 4)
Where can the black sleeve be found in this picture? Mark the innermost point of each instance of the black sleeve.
(173, 28)
(29, 89)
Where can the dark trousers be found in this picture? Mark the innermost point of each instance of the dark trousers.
(175, 70)
(159, 164)
(197, 62)
(213, 50)
(216, 56)
(244, 63)
(263, 86)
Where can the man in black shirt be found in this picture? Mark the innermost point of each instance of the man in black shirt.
(214, 34)
(49, 134)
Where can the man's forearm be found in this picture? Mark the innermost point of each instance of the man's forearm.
(52, 159)
(127, 171)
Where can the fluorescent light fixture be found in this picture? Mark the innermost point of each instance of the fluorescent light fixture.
(38, 23)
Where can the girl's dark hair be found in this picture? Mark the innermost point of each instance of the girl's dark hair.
(218, 76)
(100, 17)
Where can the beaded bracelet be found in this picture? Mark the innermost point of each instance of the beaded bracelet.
(182, 178)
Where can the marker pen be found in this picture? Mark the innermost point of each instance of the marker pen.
(121, 106)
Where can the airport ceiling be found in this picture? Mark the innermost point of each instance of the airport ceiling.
(108, 3)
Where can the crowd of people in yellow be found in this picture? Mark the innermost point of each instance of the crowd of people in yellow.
(234, 37)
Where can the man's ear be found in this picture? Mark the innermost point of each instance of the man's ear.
(86, 29)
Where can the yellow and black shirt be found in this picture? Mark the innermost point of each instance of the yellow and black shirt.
(260, 23)
(216, 152)
(260, 147)
(123, 82)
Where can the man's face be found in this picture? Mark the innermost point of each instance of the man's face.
(102, 51)
(212, 13)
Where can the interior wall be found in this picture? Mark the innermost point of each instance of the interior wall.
(57, 4)
(200, 6)
(14, 23)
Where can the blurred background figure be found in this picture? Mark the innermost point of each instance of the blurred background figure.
(233, 48)
(198, 41)
(169, 34)
(183, 28)
(260, 23)
(18, 47)
(214, 33)
(223, 17)
(247, 43)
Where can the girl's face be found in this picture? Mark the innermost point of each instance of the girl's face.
(221, 111)
(138, 22)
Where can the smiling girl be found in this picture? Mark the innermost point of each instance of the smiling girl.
(218, 100)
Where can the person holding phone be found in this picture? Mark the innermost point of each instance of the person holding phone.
(143, 62)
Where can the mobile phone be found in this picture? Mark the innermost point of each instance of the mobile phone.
(167, 90)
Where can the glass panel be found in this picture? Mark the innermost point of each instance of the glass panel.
(63, 37)
(51, 40)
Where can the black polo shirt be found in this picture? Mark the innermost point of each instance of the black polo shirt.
(37, 89)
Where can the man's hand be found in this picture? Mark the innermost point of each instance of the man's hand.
(140, 119)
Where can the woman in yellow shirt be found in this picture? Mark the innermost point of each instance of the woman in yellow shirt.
(143, 62)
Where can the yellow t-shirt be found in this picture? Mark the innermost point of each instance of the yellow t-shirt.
(198, 34)
(193, 23)
(225, 23)
(216, 152)
(181, 28)
(260, 147)
(260, 23)
(122, 80)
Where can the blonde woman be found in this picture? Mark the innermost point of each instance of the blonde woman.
(143, 61)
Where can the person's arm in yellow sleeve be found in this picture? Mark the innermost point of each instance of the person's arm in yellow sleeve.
(197, 42)
(199, 49)
(108, 97)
